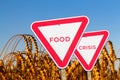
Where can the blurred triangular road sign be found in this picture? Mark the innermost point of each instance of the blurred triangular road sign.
(60, 37)
(89, 48)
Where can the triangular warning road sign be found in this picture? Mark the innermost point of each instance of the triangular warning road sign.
(89, 48)
(60, 37)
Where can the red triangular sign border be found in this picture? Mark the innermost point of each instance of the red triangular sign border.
(52, 53)
(97, 52)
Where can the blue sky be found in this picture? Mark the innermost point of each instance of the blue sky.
(16, 16)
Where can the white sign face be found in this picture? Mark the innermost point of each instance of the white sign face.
(89, 48)
(60, 37)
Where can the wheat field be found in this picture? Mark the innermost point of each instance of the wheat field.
(35, 64)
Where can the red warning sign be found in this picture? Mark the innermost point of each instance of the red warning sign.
(60, 37)
(89, 48)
